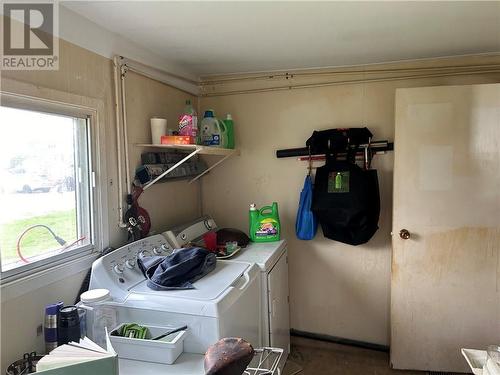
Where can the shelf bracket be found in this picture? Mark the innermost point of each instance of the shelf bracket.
(189, 156)
(211, 167)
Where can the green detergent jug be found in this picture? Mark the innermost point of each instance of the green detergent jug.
(264, 223)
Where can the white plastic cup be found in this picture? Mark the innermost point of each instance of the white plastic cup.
(158, 128)
(99, 314)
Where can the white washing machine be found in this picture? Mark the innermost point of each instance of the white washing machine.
(239, 298)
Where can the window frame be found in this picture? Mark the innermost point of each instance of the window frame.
(98, 201)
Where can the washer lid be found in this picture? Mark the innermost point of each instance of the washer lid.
(207, 288)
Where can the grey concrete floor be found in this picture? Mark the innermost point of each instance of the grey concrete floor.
(312, 357)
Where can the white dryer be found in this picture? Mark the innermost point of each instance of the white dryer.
(272, 259)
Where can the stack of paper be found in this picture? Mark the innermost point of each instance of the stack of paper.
(82, 358)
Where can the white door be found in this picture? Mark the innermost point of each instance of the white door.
(445, 288)
(279, 320)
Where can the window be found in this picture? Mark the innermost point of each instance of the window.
(47, 198)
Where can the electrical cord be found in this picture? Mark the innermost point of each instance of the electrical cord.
(60, 241)
(66, 247)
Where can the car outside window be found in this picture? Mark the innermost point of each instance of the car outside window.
(46, 188)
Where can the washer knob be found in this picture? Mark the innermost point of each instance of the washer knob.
(118, 269)
(130, 263)
(164, 247)
(156, 251)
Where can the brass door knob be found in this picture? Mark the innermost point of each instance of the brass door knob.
(404, 234)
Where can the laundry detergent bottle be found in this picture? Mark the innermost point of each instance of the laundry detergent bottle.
(211, 131)
(264, 223)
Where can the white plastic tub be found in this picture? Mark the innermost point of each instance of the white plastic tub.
(480, 362)
(165, 350)
(475, 359)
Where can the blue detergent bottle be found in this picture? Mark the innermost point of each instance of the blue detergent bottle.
(211, 131)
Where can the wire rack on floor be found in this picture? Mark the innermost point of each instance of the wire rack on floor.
(265, 362)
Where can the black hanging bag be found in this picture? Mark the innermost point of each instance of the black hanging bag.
(346, 199)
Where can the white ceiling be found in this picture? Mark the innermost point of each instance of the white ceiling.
(226, 37)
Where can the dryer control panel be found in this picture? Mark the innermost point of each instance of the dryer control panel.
(118, 271)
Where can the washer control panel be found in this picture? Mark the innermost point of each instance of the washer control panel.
(118, 271)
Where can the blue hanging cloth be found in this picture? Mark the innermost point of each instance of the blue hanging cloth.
(306, 223)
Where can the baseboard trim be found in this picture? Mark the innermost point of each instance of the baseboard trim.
(339, 340)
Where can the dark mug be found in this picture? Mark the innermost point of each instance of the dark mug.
(68, 325)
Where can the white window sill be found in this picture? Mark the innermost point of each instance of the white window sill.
(40, 279)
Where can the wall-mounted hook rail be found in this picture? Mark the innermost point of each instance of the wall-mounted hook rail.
(375, 146)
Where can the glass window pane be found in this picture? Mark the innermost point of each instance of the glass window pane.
(45, 195)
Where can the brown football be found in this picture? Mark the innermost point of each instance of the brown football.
(228, 356)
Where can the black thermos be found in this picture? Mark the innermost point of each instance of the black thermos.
(68, 325)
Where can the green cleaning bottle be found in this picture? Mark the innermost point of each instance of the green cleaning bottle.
(228, 132)
(264, 223)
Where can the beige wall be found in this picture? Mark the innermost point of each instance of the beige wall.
(89, 75)
(168, 203)
(21, 316)
(335, 289)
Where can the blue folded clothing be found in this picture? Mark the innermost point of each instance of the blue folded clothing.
(178, 270)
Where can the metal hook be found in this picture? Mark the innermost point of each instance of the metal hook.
(366, 158)
(310, 161)
(368, 154)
